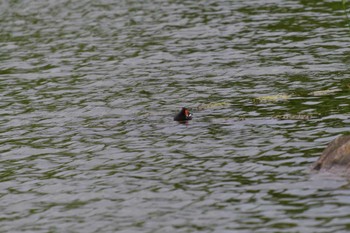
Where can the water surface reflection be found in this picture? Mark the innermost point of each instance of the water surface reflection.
(89, 90)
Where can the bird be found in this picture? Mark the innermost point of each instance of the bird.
(183, 115)
(336, 156)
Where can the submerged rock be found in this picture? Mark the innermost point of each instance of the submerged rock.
(212, 105)
(336, 157)
(325, 92)
(293, 117)
(272, 98)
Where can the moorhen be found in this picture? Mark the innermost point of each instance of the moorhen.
(183, 115)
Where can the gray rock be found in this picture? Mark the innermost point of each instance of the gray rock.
(336, 157)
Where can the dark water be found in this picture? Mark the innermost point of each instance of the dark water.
(89, 88)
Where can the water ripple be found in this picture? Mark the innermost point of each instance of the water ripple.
(89, 90)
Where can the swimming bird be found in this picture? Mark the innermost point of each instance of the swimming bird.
(336, 157)
(183, 115)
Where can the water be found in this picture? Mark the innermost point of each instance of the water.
(89, 89)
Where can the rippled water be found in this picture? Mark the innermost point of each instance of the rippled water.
(89, 89)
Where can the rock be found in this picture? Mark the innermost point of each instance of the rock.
(212, 105)
(272, 98)
(336, 157)
(325, 92)
(293, 117)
